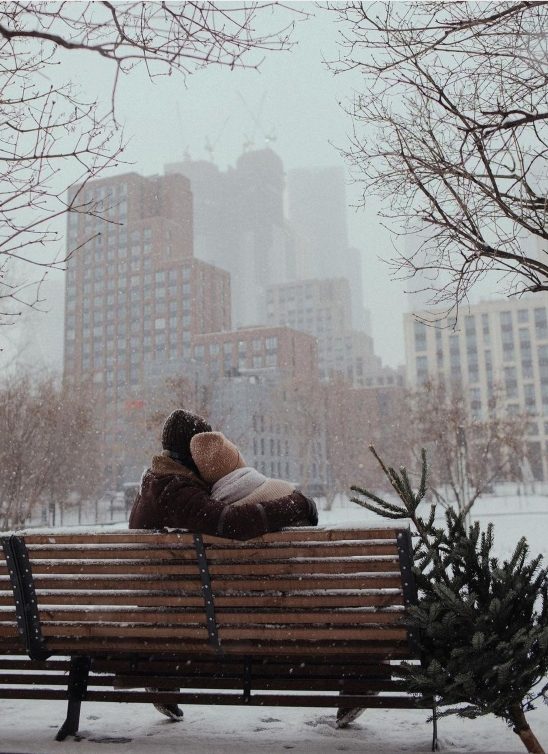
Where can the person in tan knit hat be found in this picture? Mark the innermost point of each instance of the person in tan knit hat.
(221, 464)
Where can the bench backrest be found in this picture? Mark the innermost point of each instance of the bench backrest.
(299, 591)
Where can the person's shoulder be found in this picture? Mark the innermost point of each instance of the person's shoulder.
(163, 466)
(165, 471)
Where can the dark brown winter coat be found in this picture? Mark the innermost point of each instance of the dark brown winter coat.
(172, 496)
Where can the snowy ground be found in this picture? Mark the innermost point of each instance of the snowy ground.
(513, 517)
(30, 726)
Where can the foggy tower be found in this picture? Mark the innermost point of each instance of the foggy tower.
(264, 246)
(317, 213)
(239, 225)
(213, 222)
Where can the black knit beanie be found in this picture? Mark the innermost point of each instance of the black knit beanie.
(179, 428)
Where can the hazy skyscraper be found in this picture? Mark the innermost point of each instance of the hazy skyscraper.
(239, 225)
(214, 224)
(317, 212)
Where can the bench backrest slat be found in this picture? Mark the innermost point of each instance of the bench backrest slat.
(268, 551)
(144, 598)
(184, 568)
(291, 536)
(176, 617)
(103, 645)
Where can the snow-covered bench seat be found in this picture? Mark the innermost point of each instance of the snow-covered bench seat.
(303, 617)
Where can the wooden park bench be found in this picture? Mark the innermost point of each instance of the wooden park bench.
(305, 617)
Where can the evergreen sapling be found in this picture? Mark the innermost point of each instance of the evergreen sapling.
(481, 623)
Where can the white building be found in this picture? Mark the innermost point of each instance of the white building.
(500, 341)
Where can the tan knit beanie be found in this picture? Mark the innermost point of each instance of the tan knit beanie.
(215, 456)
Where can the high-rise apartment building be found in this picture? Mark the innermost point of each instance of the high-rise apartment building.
(323, 308)
(497, 342)
(134, 294)
(250, 370)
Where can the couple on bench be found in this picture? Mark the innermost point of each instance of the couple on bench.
(201, 482)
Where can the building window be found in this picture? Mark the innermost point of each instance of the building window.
(422, 368)
(527, 369)
(524, 341)
(541, 324)
(530, 398)
(470, 328)
(475, 402)
(511, 382)
(454, 350)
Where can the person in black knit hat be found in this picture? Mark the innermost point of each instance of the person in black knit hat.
(172, 494)
(179, 429)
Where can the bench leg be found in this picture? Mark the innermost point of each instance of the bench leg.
(347, 715)
(76, 689)
(72, 722)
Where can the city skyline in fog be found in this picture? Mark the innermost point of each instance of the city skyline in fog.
(292, 105)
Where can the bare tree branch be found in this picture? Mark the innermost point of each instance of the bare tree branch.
(450, 130)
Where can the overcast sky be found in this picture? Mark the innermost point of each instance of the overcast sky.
(293, 97)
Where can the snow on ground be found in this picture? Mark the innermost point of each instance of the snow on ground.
(30, 726)
(513, 517)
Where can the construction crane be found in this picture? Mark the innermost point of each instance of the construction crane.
(186, 154)
(210, 147)
(269, 137)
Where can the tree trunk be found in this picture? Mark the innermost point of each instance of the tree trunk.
(521, 727)
(329, 500)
